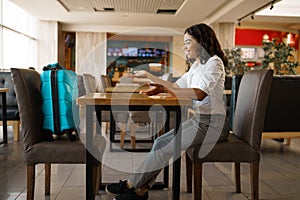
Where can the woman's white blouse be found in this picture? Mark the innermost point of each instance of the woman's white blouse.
(209, 78)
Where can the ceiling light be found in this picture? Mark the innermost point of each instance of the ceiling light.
(166, 11)
(286, 8)
(272, 5)
(104, 10)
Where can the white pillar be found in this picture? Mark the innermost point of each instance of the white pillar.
(47, 43)
(225, 33)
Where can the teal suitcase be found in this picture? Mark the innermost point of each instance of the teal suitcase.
(59, 90)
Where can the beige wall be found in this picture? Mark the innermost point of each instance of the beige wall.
(47, 43)
(225, 33)
(91, 53)
(178, 60)
(61, 45)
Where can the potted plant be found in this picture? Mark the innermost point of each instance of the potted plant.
(280, 57)
(235, 64)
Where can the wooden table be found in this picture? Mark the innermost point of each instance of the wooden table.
(126, 88)
(133, 102)
(141, 80)
(4, 115)
(134, 80)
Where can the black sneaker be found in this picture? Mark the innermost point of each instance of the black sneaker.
(117, 188)
(131, 195)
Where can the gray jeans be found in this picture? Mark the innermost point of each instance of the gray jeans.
(201, 129)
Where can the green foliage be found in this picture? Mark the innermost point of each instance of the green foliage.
(235, 64)
(280, 57)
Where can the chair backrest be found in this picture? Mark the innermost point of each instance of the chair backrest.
(6, 82)
(251, 106)
(81, 87)
(235, 84)
(89, 83)
(106, 82)
(283, 108)
(27, 88)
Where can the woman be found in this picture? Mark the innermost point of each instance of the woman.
(204, 83)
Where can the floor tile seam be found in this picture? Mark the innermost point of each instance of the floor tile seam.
(273, 190)
(64, 183)
(23, 190)
(210, 198)
(275, 169)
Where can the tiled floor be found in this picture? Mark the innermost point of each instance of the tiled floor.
(279, 177)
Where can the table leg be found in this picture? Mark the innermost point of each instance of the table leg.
(4, 118)
(89, 156)
(176, 155)
(166, 169)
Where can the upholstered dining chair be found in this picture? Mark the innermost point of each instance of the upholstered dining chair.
(105, 81)
(90, 83)
(81, 86)
(13, 118)
(154, 120)
(120, 117)
(243, 145)
(37, 149)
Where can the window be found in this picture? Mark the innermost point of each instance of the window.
(18, 37)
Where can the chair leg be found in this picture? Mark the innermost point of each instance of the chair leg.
(107, 127)
(197, 181)
(288, 141)
(132, 135)
(161, 130)
(47, 178)
(122, 138)
(16, 130)
(99, 176)
(254, 173)
(237, 167)
(95, 176)
(30, 181)
(189, 173)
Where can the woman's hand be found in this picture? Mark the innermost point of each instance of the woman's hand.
(156, 89)
(141, 73)
(128, 75)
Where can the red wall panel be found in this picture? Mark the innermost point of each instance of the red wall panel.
(254, 37)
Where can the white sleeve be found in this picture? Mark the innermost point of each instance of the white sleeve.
(206, 79)
(182, 81)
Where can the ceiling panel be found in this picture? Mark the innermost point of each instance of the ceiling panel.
(123, 6)
(134, 14)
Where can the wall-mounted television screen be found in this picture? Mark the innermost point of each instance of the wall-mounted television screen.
(248, 53)
(145, 52)
(114, 51)
(130, 51)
